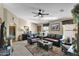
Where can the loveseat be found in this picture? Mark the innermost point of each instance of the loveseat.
(55, 38)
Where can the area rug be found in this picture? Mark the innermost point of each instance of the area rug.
(37, 51)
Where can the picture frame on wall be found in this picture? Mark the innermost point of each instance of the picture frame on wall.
(26, 28)
(55, 27)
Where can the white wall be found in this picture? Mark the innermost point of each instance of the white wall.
(32, 26)
(1, 11)
(20, 23)
(56, 22)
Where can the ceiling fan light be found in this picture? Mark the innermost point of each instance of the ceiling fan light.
(40, 15)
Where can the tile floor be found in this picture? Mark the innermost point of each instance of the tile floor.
(20, 50)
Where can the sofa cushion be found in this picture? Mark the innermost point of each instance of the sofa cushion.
(49, 35)
(53, 36)
(34, 40)
(58, 36)
(52, 40)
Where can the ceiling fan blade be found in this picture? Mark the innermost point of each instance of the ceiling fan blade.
(46, 14)
(43, 11)
(41, 15)
(34, 13)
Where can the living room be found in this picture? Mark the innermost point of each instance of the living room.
(47, 29)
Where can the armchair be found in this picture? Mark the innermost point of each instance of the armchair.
(69, 48)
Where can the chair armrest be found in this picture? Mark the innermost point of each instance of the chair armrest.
(67, 43)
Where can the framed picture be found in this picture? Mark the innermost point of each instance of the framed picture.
(55, 27)
(26, 28)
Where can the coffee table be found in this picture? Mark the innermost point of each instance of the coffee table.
(45, 44)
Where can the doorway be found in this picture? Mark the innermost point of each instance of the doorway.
(38, 28)
(12, 31)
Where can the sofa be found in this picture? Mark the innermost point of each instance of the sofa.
(32, 38)
(55, 38)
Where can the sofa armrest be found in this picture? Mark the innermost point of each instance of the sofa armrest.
(67, 43)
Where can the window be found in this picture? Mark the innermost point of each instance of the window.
(46, 30)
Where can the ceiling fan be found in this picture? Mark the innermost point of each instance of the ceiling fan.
(40, 13)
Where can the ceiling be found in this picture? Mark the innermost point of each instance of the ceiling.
(55, 10)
